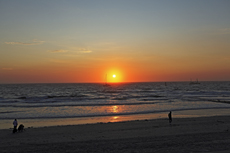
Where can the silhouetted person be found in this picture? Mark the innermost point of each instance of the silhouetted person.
(15, 123)
(170, 117)
(21, 128)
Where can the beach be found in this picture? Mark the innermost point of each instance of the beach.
(126, 118)
(202, 134)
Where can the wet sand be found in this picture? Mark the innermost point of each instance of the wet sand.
(204, 134)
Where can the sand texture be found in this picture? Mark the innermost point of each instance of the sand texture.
(186, 135)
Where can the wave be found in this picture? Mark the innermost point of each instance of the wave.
(81, 104)
(8, 112)
(113, 114)
(80, 97)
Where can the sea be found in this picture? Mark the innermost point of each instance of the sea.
(41, 105)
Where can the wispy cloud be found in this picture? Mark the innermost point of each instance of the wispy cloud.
(84, 50)
(72, 51)
(34, 42)
(58, 51)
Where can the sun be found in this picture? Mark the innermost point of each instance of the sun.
(113, 76)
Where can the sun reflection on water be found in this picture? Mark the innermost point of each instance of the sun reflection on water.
(115, 109)
(115, 117)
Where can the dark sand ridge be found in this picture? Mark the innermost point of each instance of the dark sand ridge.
(204, 134)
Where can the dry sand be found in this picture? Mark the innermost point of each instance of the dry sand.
(206, 134)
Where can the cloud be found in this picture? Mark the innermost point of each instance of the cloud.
(72, 51)
(84, 50)
(58, 51)
(34, 42)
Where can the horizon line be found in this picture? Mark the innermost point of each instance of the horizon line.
(107, 82)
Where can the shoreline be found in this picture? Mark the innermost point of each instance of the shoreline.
(198, 134)
(46, 122)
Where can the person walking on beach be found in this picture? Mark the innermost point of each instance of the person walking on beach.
(15, 123)
(170, 117)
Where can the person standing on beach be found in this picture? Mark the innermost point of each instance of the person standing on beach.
(15, 123)
(170, 117)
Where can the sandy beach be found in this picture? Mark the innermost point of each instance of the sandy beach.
(204, 134)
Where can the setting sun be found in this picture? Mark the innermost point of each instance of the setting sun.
(114, 75)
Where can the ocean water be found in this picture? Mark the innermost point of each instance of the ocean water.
(80, 103)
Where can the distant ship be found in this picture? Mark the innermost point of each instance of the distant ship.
(194, 82)
(106, 84)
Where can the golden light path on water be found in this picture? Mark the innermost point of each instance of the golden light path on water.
(115, 109)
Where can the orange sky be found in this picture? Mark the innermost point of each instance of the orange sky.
(139, 42)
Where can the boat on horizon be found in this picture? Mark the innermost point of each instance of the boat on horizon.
(106, 84)
(194, 82)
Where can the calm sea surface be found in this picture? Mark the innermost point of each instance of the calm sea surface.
(81, 102)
